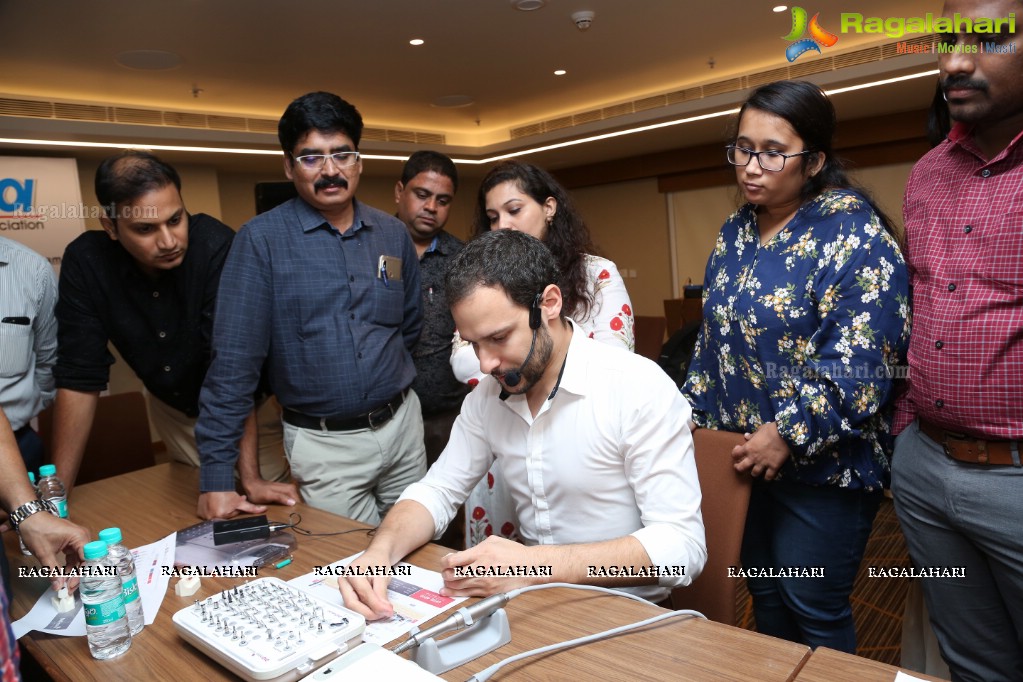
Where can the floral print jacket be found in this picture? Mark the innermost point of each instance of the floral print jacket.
(807, 331)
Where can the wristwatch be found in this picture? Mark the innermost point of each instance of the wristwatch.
(26, 510)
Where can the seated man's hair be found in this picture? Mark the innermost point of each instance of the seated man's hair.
(127, 176)
(512, 260)
(321, 111)
(425, 161)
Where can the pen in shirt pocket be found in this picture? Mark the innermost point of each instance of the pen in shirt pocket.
(16, 320)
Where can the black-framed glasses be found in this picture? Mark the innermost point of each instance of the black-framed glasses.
(769, 160)
(314, 162)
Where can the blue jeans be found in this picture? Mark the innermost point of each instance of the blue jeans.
(791, 525)
(969, 516)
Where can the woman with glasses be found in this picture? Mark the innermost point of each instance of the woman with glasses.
(805, 320)
(520, 196)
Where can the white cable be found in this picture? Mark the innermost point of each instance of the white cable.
(487, 673)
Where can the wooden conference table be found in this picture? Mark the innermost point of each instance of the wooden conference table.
(151, 503)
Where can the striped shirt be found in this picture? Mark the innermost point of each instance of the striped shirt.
(964, 232)
(28, 332)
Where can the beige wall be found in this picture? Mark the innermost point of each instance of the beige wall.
(629, 224)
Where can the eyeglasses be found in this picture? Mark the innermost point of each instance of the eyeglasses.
(314, 162)
(770, 160)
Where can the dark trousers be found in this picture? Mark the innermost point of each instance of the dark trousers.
(436, 431)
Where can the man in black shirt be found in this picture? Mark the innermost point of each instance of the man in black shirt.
(424, 195)
(148, 284)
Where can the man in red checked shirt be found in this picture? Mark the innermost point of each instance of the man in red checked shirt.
(957, 477)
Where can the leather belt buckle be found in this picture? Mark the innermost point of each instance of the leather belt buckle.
(380, 416)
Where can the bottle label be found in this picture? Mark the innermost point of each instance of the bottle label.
(106, 612)
(61, 504)
(131, 590)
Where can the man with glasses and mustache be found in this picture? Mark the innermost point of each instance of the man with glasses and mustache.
(324, 291)
(957, 477)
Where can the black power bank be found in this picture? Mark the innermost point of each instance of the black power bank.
(240, 530)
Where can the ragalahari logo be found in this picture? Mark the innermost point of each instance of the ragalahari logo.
(800, 27)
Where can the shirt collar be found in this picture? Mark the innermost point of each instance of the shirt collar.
(310, 219)
(573, 380)
(961, 135)
(433, 245)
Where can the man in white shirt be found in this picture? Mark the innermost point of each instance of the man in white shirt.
(594, 442)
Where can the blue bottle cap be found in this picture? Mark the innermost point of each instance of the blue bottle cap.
(95, 550)
(110, 536)
(47, 470)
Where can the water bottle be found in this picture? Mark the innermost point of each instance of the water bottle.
(50, 488)
(106, 623)
(32, 480)
(120, 556)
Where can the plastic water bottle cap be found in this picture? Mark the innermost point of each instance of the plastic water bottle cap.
(31, 478)
(110, 535)
(47, 470)
(95, 550)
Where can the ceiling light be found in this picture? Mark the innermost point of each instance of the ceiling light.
(528, 5)
(148, 60)
(472, 162)
(416, 41)
(780, 8)
(560, 72)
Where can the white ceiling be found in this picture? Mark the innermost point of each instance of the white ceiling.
(250, 58)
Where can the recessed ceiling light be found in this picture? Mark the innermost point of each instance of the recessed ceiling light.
(780, 8)
(560, 72)
(416, 41)
(528, 5)
(452, 101)
(148, 60)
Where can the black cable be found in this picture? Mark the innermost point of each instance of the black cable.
(293, 525)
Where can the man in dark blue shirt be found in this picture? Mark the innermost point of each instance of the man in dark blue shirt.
(325, 291)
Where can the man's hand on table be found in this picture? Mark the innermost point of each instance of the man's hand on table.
(47, 535)
(367, 596)
(261, 491)
(494, 552)
(224, 505)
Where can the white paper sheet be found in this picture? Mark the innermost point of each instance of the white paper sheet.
(416, 599)
(152, 589)
(903, 677)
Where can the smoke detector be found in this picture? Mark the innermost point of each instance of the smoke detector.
(583, 19)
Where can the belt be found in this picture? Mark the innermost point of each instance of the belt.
(963, 448)
(373, 419)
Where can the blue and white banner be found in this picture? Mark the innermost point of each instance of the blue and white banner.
(41, 204)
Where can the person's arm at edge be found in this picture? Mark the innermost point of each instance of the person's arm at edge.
(73, 413)
(408, 526)
(44, 534)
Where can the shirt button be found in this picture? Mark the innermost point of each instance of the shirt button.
(365, 396)
(952, 286)
(985, 173)
(162, 335)
(968, 229)
(166, 368)
(156, 294)
(939, 344)
(939, 403)
(360, 356)
(351, 316)
(351, 278)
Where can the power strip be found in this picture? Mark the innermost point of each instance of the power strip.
(269, 630)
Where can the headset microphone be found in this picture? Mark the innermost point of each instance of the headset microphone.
(513, 377)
